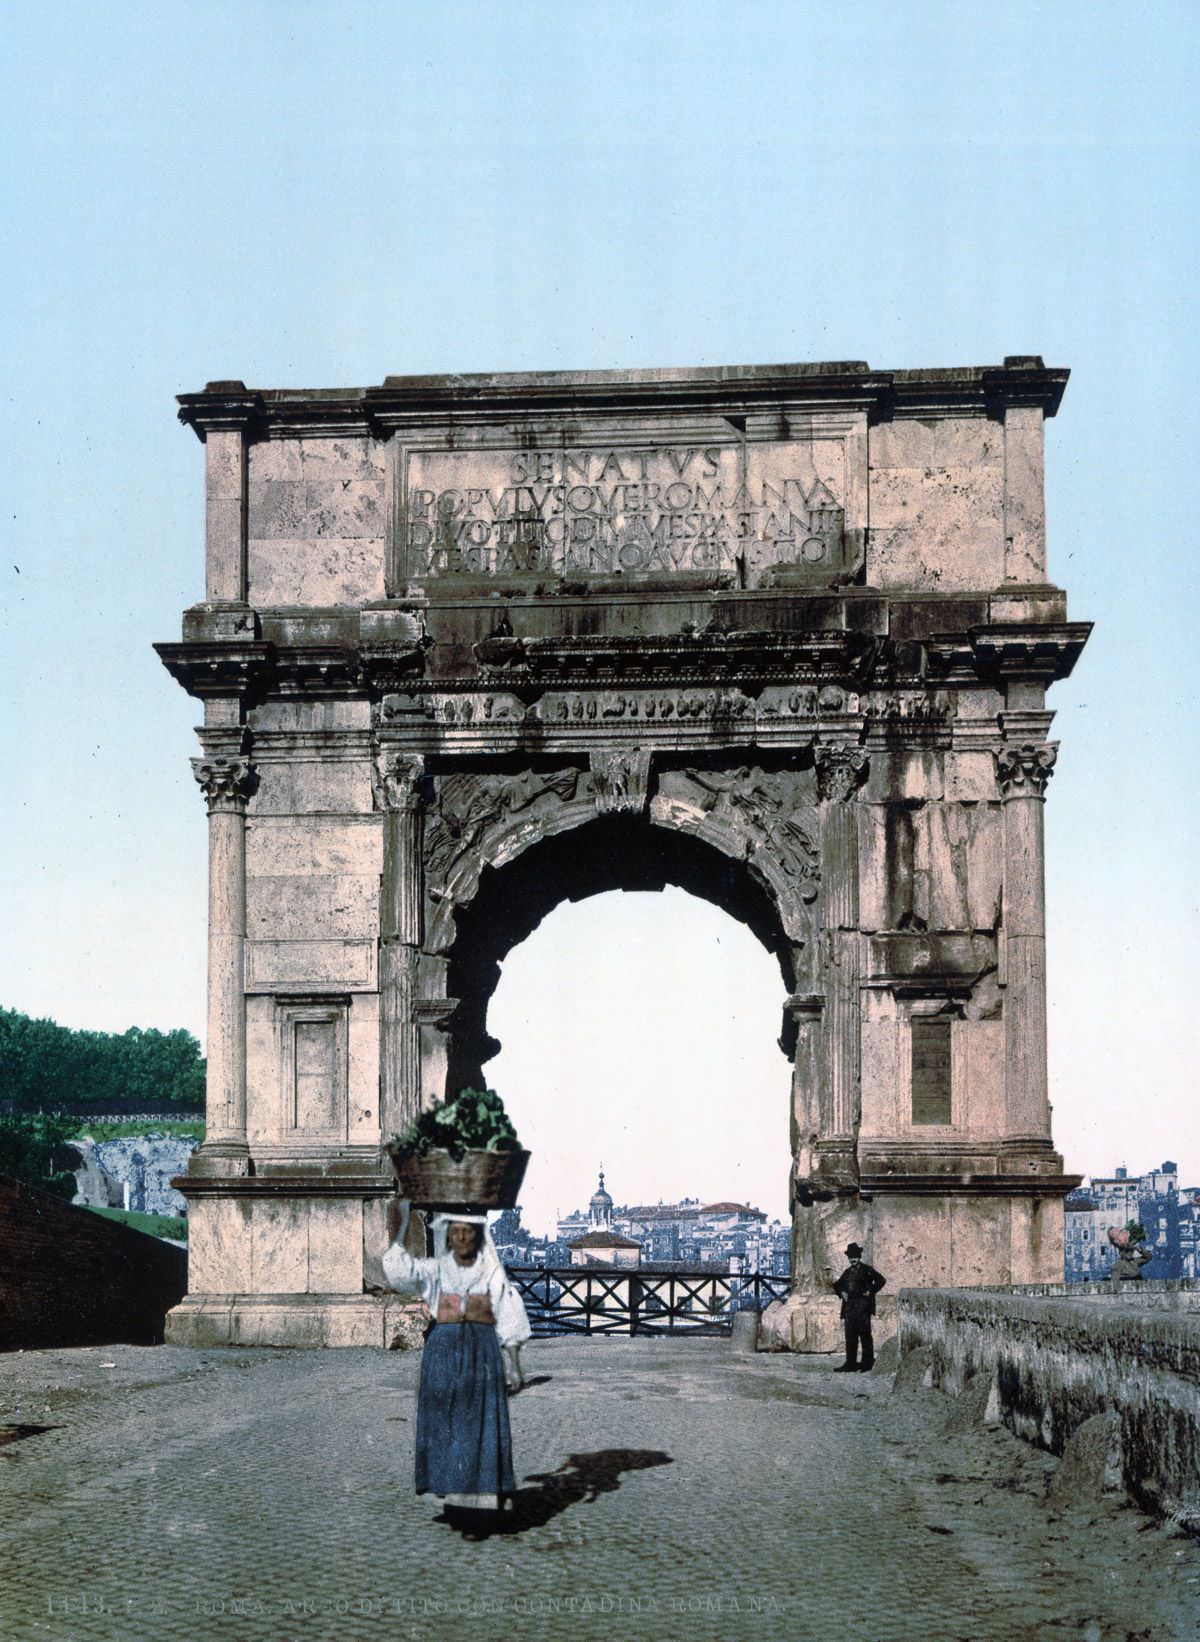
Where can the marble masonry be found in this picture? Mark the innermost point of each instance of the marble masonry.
(471, 645)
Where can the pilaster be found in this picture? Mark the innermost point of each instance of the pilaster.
(841, 771)
(226, 778)
(397, 789)
(1022, 772)
(224, 416)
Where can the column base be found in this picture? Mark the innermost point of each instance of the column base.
(305, 1321)
(220, 1160)
(813, 1322)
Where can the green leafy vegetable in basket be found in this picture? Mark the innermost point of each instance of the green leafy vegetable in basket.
(473, 1121)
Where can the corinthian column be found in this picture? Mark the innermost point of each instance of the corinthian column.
(398, 794)
(841, 771)
(226, 783)
(1022, 773)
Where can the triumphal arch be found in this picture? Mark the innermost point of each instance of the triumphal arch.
(471, 645)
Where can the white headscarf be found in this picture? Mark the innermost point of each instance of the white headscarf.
(440, 1225)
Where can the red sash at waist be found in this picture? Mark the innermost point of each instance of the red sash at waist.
(450, 1309)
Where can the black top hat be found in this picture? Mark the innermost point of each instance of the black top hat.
(854, 1251)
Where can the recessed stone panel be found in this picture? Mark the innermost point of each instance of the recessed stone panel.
(333, 907)
(279, 1246)
(335, 1246)
(610, 508)
(310, 966)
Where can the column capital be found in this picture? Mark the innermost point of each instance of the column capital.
(1022, 771)
(841, 771)
(396, 779)
(225, 782)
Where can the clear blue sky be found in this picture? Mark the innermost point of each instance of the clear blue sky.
(312, 195)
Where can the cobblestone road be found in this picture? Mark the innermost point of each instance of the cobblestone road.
(668, 1490)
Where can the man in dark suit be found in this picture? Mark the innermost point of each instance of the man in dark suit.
(856, 1288)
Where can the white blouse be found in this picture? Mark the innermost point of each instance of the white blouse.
(437, 1276)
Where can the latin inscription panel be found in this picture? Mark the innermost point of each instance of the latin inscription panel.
(611, 510)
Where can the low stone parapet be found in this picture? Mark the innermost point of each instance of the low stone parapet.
(1054, 1357)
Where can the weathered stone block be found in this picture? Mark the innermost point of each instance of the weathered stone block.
(969, 777)
(316, 845)
(346, 571)
(219, 1246)
(344, 906)
(313, 787)
(275, 460)
(279, 1247)
(334, 1245)
(311, 966)
(344, 457)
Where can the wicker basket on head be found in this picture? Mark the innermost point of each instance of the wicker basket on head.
(477, 1181)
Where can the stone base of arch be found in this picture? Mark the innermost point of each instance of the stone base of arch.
(804, 1322)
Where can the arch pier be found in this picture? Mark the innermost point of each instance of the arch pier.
(472, 646)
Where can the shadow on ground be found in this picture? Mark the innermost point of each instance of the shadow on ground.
(580, 1479)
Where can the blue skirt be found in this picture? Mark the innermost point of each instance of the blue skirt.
(463, 1441)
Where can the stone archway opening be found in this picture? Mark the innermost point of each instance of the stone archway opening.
(637, 1032)
(610, 853)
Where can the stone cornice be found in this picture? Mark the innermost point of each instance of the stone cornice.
(310, 1184)
(415, 401)
(238, 669)
(1038, 652)
(250, 669)
(881, 1184)
(675, 658)
(222, 405)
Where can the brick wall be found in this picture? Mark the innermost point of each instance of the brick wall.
(71, 1278)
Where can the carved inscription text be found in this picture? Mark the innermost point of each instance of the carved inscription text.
(609, 511)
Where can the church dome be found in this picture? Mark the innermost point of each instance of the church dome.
(600, 1206)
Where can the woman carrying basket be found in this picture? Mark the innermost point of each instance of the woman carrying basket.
(464, 1446)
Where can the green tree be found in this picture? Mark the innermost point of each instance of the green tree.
(44, 1065)
(32, 1151)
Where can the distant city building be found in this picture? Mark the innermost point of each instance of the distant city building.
(600, 1209)
(605, 1248)
(1171, 1218)
(690, 1234)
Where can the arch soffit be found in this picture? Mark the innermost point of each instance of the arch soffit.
(765, 823)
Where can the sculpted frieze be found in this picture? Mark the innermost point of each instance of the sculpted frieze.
(770, 813)
(473, 707)
(621, 781)
(469, 806)
(644, 706)
(896, 708)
